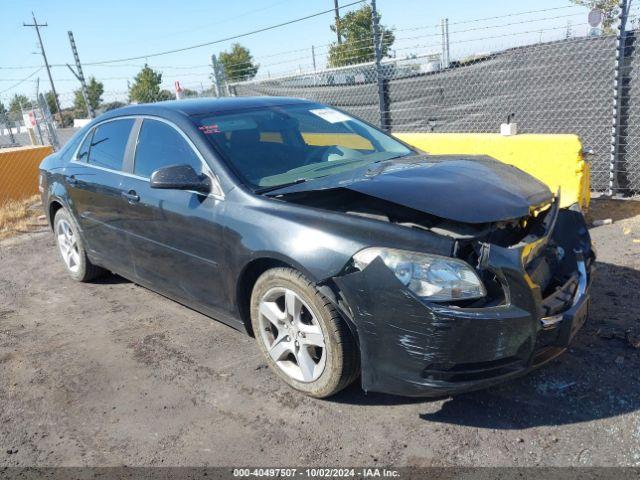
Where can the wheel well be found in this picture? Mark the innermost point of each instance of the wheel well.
(247, 280)
(54, 206)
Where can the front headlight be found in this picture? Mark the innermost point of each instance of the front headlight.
(431, 277)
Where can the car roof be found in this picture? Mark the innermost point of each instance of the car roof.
(200, 106)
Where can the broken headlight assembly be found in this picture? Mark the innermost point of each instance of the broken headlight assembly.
(430, 277)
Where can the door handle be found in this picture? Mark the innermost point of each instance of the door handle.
(131, 196)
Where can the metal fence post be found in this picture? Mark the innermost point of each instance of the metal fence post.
(48, 120)
(377, 47)
(623, 11)
(216, 76)
(444, 27)
(446, 41)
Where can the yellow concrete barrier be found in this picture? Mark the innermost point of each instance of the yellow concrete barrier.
(556, 160)
(19, 171)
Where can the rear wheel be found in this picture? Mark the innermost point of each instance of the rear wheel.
(71, 249)
(301, 334)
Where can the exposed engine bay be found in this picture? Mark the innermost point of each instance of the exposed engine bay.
(503, 233)
(471, 240)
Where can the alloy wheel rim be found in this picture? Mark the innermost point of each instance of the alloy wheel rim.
(292, 335)
(68, 246)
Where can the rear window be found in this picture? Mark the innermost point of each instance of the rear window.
(71, 146)
(109, 143)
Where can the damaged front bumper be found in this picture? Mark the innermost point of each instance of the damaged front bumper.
(415, 348)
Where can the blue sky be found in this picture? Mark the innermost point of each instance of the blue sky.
(118, 28)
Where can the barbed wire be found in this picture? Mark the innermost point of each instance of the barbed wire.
(495, 17)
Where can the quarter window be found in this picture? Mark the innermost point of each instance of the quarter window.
(83, 153)
(161, 145)
(109, 144)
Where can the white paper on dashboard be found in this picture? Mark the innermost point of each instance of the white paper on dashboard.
(331, 116)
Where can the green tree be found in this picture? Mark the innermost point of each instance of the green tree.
(95, 90)
(238, 64)
(51, 102)
(112, 105)
(3, 109)
(166, 95)
(188, 93)
(17, 102)
(356, 30)
(609, 9)
(146, 86)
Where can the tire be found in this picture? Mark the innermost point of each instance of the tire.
(289, 316)
(71, 249)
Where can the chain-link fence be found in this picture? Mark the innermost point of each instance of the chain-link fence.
(558, 86)
(33, 124)
(626, 160)
(539, 69)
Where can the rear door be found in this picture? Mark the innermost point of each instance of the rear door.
(175, 235)
(94, 178)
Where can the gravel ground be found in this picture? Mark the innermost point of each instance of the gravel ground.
(110, 374)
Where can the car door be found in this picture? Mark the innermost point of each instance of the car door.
(175, 235)
(94, 181)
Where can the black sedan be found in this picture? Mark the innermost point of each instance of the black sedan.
(344, 251)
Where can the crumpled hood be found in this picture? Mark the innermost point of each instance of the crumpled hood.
(470, 189)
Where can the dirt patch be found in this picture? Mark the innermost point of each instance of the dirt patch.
(110, 374)
(21, 216)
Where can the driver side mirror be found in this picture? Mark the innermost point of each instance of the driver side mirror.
(180, 177)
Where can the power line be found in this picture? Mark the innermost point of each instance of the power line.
(26, 67)
(21, 81)
(240, 15)
(142, 57)
(260, 30)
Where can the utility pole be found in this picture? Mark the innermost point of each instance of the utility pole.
(37, 26)
(336, 7)
(80, 76)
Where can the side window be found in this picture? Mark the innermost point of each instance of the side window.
(83, 153)
(109, 144)
(161, 145)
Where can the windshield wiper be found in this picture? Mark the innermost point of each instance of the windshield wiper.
(404, 155)
(278, 187)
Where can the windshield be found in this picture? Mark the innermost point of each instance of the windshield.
(272, 146)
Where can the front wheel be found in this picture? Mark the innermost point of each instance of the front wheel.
(301, 334)
(71, 248)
